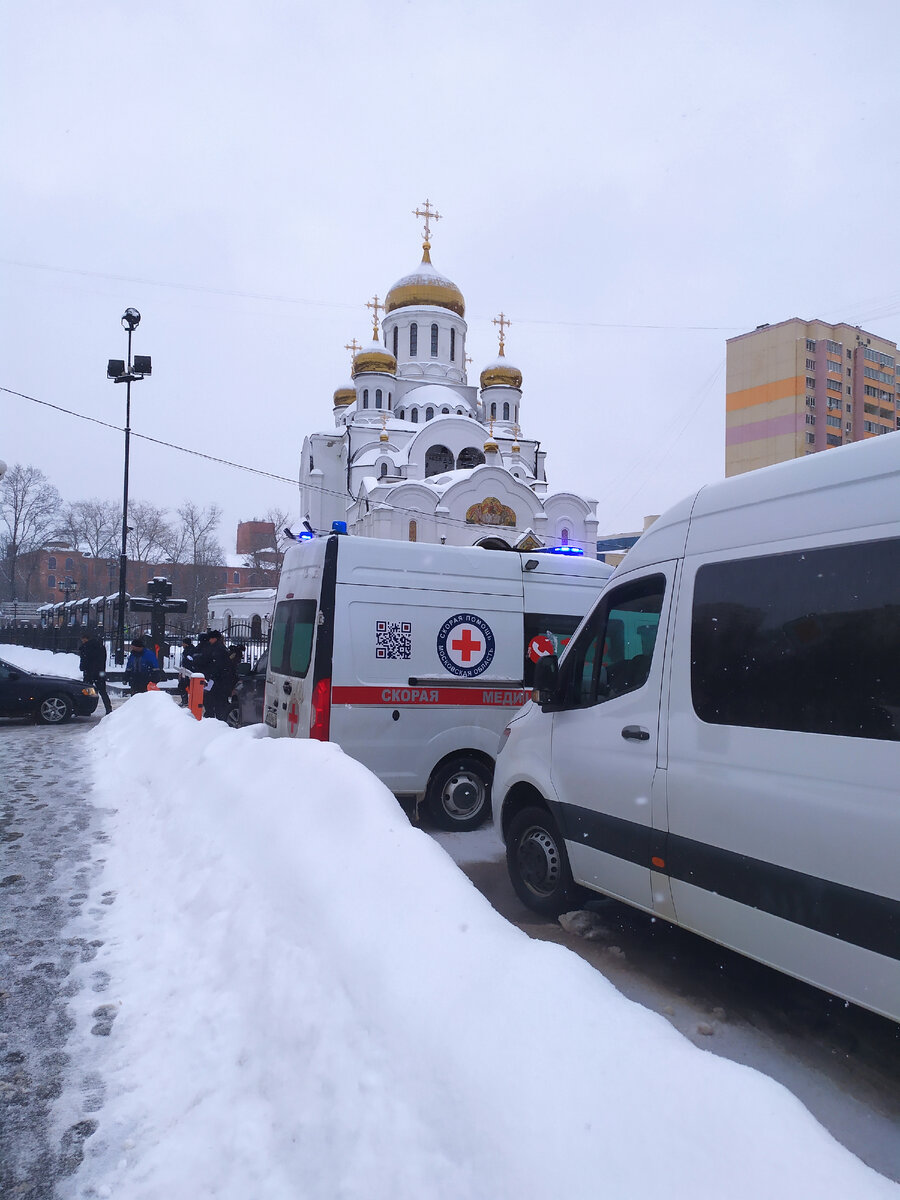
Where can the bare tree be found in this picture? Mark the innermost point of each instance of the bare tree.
(149, 532)
(93, 525)
(199, 526)
(29, 516)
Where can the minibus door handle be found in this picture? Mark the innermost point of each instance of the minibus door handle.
(636, 733)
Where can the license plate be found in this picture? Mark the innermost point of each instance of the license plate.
(272, 718)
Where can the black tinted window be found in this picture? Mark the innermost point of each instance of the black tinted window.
(292, 636)
(614, 651)
(805, 641)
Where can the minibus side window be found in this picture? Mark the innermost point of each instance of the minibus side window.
(806, 641)
(614, 651)
(292, 637)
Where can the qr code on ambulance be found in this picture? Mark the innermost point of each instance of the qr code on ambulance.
(393, 639)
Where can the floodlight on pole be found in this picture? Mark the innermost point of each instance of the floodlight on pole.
(121, 371)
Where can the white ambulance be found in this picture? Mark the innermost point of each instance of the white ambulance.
(413, 657)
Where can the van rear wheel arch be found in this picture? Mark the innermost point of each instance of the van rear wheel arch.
(458, 794)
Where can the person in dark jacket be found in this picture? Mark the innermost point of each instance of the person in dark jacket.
(215, 663)
(92, 659)
(141, 664)
(188, 650)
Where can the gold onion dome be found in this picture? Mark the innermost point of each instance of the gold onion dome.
(374, 359)
(501, 374)
(425, 287)
(344, 395)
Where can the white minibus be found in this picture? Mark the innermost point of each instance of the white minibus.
(719, 745)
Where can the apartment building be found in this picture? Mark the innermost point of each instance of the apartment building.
(798, 387)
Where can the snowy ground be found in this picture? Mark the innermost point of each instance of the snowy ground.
(308, 998)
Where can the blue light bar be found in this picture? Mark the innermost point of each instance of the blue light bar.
(571, 550)
(305, 536)
(338, 526)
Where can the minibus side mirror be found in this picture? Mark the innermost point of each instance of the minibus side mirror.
(546, 681)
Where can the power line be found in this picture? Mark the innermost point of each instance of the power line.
(146, 437)
(302, 300)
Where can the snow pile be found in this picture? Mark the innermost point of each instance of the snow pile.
(311, 999)
(42, 662)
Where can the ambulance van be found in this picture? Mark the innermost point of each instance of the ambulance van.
(412, 657)
(720, 743)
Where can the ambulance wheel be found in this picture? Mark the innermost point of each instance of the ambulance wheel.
(538, 864)
(459, 793)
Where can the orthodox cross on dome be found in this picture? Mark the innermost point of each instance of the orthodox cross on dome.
(504, 322)
(468, 358)
(353, 348)
(430, 214)
(377, 307)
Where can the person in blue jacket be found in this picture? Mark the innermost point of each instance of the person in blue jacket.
(142, 662)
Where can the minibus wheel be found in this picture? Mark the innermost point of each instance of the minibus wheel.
(538, 864)
(459, 793)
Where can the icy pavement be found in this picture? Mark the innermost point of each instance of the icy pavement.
(47, 829)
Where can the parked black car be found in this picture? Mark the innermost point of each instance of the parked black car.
(247, 707)
(47, 698)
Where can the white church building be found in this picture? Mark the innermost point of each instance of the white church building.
(418, 453)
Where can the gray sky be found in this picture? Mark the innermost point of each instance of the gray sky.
(631, 185)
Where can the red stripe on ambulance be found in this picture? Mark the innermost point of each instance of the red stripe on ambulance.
(434, 696)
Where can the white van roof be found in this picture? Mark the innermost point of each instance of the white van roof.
(758, 506)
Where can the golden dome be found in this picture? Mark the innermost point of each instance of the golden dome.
(374, 359)
(344, 395)
(425, 286)
(383, 436)
(501, 374)
(491, 447)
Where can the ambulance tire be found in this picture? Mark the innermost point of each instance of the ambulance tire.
(459, 793)
(538, 864)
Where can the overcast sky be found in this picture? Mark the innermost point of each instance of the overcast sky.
(630, 184)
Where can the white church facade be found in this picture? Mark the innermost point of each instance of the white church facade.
(418, 453)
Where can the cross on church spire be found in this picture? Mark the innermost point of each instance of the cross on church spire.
(353, 348)
(376, 305)
(430, 215)
(504, 322)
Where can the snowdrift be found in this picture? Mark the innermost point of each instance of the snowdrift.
(311, 1000)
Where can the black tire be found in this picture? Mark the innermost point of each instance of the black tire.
(538, 864)
(234, 717)
(459, 793)
(54, 709)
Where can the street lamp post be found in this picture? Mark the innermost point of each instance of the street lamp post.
(120, 372)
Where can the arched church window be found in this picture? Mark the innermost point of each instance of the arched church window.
(389, 402)
(383, 470)
(506, 410)
(494, 409)
(429, 414)
(445, 410)
(468, 458)
(396, 339)
(378, 397)
(256, 626)
(312, 463)
(414, 415)
(51, 563)
(413, 340)
(401, 414)
(438, 459)
(434, 341)
(453, 345)
(365, 397)
(564, 536)
(413, 530)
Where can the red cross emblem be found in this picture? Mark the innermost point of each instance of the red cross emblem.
(294, 717)
(466, 645)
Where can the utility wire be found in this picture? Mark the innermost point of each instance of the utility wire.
(301, 300)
